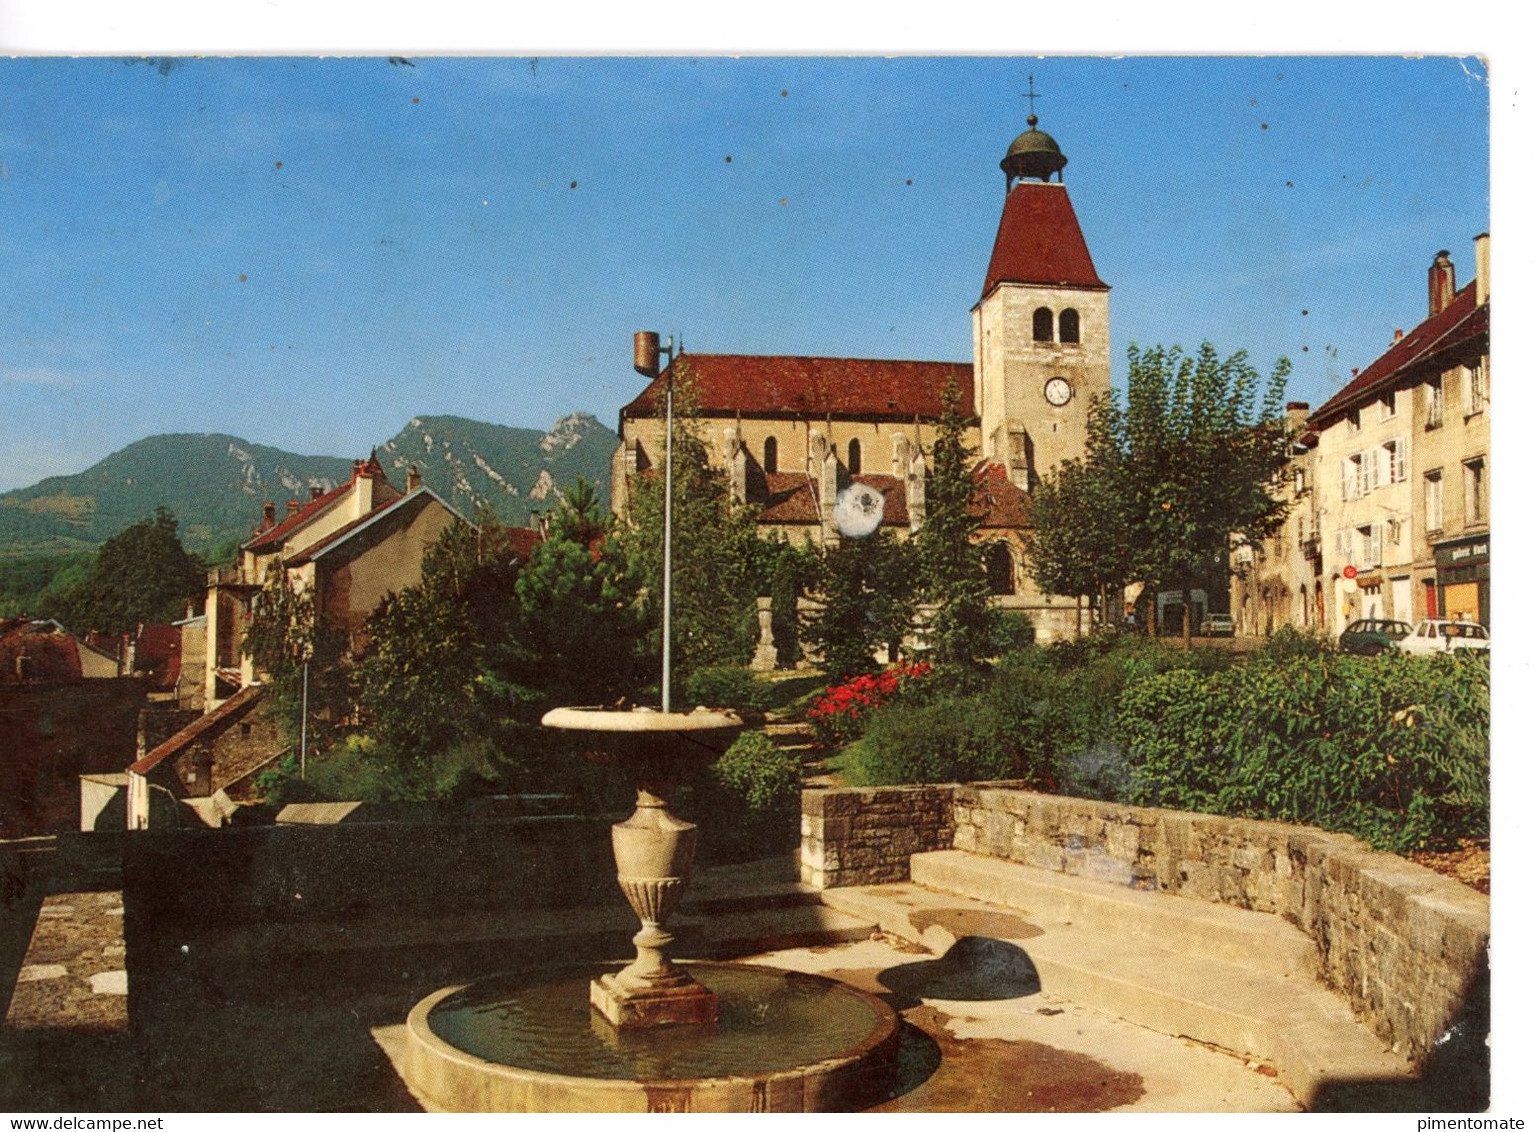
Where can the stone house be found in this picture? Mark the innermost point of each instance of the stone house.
(796, 432)
(1277, 582)
(209, 765)
(1403, 467)
(350, 547)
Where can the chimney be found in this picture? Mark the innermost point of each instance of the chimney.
(362, 489)
(1397, 337)
(1483, 268)
(316, 491)
(293, 506)
(1441, 283)
(412, 479)
(268, 515)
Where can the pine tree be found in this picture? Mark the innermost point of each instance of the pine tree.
(951, 562)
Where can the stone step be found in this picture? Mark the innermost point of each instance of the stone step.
(1305, 1032)
(1233, 935)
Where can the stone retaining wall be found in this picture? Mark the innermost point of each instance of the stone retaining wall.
(851, 837)
(1406, 946)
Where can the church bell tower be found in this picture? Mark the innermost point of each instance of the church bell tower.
(1041, 327)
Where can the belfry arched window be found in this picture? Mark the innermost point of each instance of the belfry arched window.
(770, 455)
(1044, 325)
(854, 457)
(1071, 327)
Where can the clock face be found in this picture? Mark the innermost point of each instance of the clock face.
(1057, 391)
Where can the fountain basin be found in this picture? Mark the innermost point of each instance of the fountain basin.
(528, 1042)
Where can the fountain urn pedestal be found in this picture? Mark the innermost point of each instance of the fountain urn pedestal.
(654, 852)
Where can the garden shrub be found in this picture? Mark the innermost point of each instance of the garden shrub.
(1392, 749)
(727, 686)
(760, 772)
(1288, 642)
(843, 710)
(948, 739)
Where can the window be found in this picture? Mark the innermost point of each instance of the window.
(1353, 420)
(1475, 497)
(1394, 531)
(1476, 389)
(1353, 468)
(1388, 404)
(999, 568)
(1367, 546)
(1394, 457)
(1433, 408)
(1071, 327)
(1433, 501)
(1044, 325)
(770, 455)
(854, 457)
(1300, 481)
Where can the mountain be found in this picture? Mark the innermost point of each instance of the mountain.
(215, 484)
(515, 471)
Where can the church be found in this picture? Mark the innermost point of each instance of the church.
(796, 432)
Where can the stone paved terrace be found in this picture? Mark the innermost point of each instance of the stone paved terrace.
(257, 1014)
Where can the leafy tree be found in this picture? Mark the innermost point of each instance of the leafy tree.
(867, 590)
(1171, 479)
(438, 669)
(718, 562)
(1198, 450)
(951, 562)
(580, 627)
(283, 635)
(142, 574)
(1080, 544)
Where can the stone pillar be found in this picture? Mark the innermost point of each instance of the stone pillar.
(765, 659)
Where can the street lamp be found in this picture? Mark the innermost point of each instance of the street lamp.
(647, 363)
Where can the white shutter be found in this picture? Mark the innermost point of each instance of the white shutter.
(1401, 460)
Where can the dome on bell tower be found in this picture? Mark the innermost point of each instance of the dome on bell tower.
(1033, 153)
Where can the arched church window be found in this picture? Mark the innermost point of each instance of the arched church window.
(1071, 327)
(770, 455)
(1044, 325)
(854, 457)
(999, 568)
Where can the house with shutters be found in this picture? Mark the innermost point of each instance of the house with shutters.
(795, 433)
(349, 547)
(1403, 467)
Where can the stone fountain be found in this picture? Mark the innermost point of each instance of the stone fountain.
(654, 1034)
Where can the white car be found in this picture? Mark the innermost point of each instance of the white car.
(1434, 635)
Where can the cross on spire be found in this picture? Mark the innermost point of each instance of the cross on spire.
(1031, 96)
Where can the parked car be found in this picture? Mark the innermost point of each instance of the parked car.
(1435, 635)
(1217, 625)
(1371, 636)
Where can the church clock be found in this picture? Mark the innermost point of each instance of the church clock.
(1057, 391)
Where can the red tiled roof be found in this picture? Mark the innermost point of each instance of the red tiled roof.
(521, 541)
(1039, 241)
(274, 536)
(52, 658)
(998, 501)
(157, 654)
(210, 724)
(1460, 321)
(865, 388)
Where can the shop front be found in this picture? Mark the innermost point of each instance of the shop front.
(1464, 582)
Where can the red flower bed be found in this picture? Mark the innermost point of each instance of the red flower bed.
(843, 711)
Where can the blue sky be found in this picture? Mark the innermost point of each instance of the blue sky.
(308, 252)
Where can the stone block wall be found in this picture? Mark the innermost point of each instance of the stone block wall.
(850, 837)
(1406, 946)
